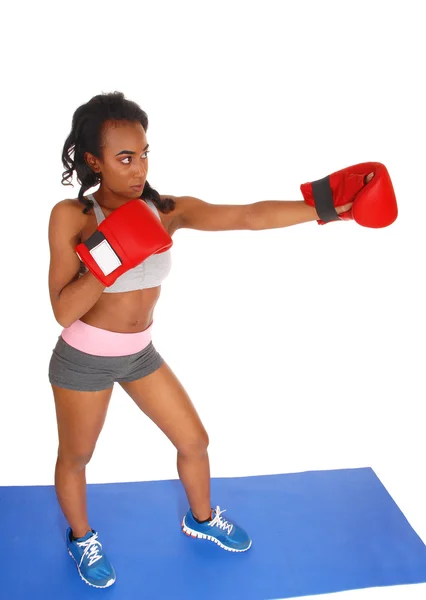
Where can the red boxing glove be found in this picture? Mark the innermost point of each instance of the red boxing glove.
(374, 203)
(128, 236)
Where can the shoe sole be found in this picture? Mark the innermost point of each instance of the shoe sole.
(100, 587)
(195, 534)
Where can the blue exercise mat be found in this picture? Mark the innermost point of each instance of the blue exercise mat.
(313, 533)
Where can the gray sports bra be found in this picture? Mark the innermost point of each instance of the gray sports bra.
(150, 273)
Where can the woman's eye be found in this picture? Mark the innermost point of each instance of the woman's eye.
(130, 158)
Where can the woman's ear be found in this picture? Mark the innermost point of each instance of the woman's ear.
(92, 161)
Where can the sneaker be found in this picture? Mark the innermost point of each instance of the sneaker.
(225, 534)
(92, 564)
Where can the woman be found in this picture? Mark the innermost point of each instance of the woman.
(107, 328)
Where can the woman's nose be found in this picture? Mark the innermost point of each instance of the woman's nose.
(141, 167)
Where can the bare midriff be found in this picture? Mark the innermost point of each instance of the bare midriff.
(124, 312)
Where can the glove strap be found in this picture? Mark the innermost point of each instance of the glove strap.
(102, 253)
(323, 198)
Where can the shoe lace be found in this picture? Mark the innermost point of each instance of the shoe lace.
(220, 522)
(92, 549)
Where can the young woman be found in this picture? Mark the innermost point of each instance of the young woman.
(107, 322)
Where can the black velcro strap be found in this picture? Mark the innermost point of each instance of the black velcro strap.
(103, 253)
(323, 198)
(96, 238)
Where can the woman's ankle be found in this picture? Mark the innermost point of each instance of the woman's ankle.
(80, 532)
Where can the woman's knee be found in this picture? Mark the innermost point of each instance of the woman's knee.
(194, 444)
(74, 460)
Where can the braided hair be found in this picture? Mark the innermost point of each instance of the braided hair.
(85, 137)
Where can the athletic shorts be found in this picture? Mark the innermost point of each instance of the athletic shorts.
(88, 358)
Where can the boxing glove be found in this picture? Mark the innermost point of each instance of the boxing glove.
(124, 239)
(374, 203)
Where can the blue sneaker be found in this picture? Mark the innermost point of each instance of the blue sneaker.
(225, 534)
(92, 564)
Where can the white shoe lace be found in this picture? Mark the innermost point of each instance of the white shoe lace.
(220, 522)
(92, 547)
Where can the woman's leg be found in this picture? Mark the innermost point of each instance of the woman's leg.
(162, 397)
(80, 417)
(164, 400)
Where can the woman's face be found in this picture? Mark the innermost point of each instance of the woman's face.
(124, 162)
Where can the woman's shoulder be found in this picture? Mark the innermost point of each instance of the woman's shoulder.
(72, 203)
(69, 213)
(69, 206)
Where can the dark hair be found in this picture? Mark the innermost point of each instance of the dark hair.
(85, 137)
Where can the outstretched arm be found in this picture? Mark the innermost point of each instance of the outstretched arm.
(193, 213)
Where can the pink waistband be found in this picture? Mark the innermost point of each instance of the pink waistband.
(102, 342)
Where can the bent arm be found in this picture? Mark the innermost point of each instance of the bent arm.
(71, 297)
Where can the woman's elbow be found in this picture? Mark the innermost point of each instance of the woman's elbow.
(61, 317)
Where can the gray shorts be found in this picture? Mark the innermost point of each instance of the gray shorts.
(76, 370)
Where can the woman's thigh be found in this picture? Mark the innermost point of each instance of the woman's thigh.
(162, 397)
(82, 385)
(80, 417)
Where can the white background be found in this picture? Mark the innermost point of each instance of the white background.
(302, 348)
